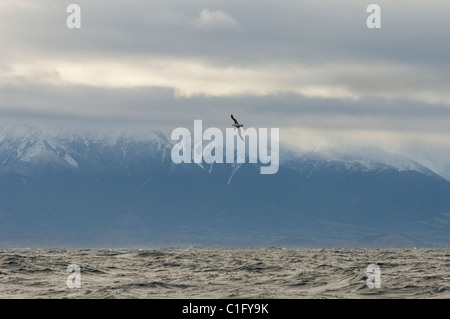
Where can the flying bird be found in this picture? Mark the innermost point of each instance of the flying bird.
(237, 125)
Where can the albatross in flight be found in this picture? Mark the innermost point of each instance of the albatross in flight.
(237, 125)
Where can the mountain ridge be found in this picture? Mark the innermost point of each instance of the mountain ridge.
(123, 189)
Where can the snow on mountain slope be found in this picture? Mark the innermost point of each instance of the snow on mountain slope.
(22, 146)
(358, 159)
(28, 146)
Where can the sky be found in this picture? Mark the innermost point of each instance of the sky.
(311, 68)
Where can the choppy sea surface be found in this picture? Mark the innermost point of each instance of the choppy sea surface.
(224, 273)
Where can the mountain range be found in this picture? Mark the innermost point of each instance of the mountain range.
(121, 189)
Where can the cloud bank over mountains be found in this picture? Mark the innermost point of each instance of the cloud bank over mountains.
(311, 68)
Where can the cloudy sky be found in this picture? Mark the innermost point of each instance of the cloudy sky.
(310, 67)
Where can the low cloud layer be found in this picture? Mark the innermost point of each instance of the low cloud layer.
(312, 68)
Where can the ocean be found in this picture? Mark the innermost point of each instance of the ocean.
(250, 273)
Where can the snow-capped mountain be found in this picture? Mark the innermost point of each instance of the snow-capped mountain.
(362, 159)
(24, 146)
(28, 146)
(122, 189)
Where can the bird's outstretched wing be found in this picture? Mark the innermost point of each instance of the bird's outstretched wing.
(235, 121)
(239, 132)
